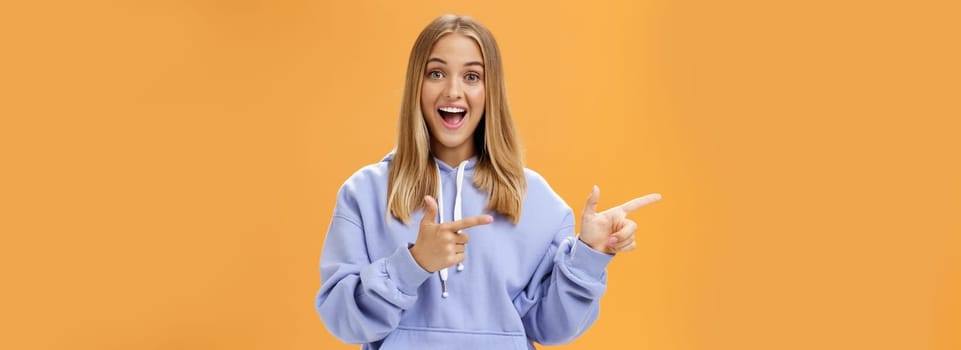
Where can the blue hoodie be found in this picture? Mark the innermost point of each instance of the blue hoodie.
(520, 283)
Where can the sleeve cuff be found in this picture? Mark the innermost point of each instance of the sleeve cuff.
(587, 260)
(405, 272)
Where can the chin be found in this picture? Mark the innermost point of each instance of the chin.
(453, 142)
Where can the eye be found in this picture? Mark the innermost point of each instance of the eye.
(473, 77)
(435, 74)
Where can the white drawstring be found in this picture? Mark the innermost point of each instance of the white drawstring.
(458, 214)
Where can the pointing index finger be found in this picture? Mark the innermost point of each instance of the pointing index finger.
(639, 202)
(470, 222)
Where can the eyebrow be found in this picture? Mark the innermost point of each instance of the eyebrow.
(472, 63)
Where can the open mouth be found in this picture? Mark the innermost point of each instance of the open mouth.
(453, 117)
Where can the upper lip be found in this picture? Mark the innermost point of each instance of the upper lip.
(455, 106)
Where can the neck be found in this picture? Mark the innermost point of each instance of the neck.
(453, 156)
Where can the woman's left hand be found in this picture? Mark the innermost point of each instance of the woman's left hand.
(610, 231)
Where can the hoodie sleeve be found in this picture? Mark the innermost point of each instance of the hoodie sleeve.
(563, 298)
(361, 301)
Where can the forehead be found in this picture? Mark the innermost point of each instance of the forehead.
(456, 48)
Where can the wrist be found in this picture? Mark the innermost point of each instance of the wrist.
(600, 249)
(414, 254)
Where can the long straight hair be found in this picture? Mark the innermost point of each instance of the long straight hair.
(500, 167)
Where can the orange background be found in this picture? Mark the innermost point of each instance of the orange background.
(169, 167)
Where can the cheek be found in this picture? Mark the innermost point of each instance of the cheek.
(428, 94)
(478, 99)
(424, 99)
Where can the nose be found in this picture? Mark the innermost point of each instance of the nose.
(453, 90)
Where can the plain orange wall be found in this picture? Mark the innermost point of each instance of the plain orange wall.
(169, 167)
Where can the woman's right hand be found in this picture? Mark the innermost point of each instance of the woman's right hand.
(441, 245)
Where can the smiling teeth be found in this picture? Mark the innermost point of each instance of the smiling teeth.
(452, 109)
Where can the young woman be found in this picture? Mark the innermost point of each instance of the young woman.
(492, 262)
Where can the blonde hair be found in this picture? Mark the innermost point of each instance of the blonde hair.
(500, 167)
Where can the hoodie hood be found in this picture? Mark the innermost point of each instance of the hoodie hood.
(444, 167)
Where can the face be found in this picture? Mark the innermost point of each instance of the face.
(452, 96)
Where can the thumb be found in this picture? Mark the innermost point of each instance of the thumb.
(591, 206)
(430, 210)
